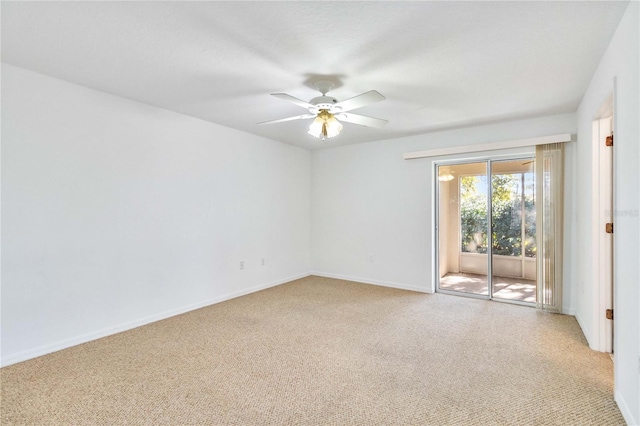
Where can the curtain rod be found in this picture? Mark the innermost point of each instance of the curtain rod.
(519, 143)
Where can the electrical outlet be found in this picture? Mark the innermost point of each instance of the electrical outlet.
(242, 264)
(371, 258)
(263, 261)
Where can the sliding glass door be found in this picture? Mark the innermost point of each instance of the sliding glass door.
(486, 229)
(513, 230)
(462, 228)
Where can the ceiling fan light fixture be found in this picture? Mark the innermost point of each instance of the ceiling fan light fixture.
(325, 126)
(326, 109)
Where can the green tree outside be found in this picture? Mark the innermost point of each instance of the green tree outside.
(507, 199)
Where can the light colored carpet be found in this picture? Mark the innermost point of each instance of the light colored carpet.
(319, 351)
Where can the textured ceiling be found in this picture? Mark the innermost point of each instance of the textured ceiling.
(440, 64)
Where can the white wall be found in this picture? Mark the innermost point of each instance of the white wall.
(116, 213)
(368, 201)
(620, 62)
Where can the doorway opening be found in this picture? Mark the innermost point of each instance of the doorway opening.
(486, 229)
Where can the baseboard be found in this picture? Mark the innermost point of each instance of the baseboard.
(67, 343)
(370, 281)
(624, 409)
(585, 331)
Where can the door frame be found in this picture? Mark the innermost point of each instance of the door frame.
(603, 211)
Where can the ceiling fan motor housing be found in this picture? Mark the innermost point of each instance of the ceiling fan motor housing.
(323, 103)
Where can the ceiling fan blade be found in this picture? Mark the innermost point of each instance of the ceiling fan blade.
(362, 120)
(297, 117)
(360, 101)
(292, 99)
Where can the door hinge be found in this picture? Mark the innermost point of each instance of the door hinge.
(609, 228)
(609, 314)
(609, 141)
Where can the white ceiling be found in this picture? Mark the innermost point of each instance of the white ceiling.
(440, 64)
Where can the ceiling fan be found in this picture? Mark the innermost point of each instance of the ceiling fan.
(326, 110)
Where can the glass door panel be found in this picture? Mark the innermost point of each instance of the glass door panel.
(513, 230)
(462, 228)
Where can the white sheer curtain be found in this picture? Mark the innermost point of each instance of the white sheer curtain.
(549, 225)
